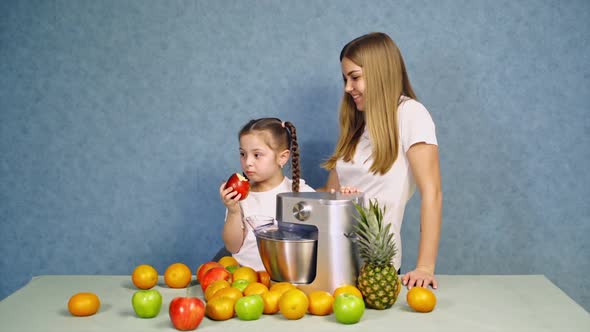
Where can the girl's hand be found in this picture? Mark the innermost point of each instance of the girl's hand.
(419, 278)
(230, 198)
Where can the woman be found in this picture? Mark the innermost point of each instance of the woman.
(387, 146)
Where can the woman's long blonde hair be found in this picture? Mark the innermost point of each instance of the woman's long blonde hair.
(386, 80)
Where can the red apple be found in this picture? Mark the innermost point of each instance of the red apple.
(206, 267)
(216, 273)
(186, 313)
(239, 184)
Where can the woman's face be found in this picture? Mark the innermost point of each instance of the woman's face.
(354, 83)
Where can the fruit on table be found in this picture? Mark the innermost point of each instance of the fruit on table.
(264, 278)
(320, 303)
(245, 272)
(144, 276)
(421, 299)
(350, 289)
(240, 284)
(228, 261)
(232, 268)
(348, 308)
(203, 268)
(255, 288)
(147, 303)
(239, 184)
(83, 304)
(178, 275)
(293, 304)
(281, 287)
(271, 302)
(378, 279)
(214, 274)
(249, 307)
(220, 308)
(214, 287)
(186, 313)
(230, 292)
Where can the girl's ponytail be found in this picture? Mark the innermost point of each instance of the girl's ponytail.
(295, 170)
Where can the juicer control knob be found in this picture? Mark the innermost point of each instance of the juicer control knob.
(301, 211)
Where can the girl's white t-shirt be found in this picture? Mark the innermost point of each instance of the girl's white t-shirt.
(394, 188)
(261, 204)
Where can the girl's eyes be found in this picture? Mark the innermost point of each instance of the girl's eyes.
(256, 155)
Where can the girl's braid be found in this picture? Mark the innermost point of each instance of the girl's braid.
(294, 155)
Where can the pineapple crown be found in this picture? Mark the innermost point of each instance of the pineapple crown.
(374, 239)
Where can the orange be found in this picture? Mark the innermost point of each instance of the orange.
(245, 272)
(255, 288)
(144, 276)
(293, 304)
(178, 275)
(83, 304)
(228, 261)
(271, 302)
(282, 287)
(229, 292)
(220, 308)
(421, 299)
(320, 303)
(214, 287)
(350, 289)
(264, 278)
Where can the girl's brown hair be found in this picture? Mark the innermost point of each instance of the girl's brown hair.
(386, 80)
(283, 136)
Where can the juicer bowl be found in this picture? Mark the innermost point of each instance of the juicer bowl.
(288, 255)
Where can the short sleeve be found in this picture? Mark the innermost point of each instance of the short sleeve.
(416, 124)
(303, 187)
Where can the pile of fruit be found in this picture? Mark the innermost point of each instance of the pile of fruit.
(230, 290)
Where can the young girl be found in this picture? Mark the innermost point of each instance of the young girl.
(265, 147)
(387, 145)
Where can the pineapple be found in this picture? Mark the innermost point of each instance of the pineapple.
(378, 280)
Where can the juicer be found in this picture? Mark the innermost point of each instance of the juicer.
(311, 244)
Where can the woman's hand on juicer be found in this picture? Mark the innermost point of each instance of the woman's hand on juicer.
(346, 190)
(419, 278)
(230, 198)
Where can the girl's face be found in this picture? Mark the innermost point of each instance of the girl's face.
(354, 83)
(259, 161)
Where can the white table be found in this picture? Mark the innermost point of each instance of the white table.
(464, 303)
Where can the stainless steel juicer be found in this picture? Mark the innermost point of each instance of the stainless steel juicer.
(310, 245)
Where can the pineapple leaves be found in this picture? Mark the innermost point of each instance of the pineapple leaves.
(375, 240)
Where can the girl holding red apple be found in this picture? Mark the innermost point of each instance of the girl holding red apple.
(387, 146)
(266, 145)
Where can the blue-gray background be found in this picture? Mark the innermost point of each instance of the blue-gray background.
(118, 122)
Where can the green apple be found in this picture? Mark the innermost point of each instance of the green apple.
(240, 284)
(232, 268)
(348, 308)
(147, 303)
(249, 307)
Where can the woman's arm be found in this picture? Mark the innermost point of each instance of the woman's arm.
(332, 183)
(425, 167)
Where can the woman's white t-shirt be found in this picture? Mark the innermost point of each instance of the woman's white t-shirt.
(394, 188)
(261, 204)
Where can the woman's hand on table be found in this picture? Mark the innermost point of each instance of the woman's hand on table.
(419, 278)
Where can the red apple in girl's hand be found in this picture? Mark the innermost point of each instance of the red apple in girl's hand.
(239, 183)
